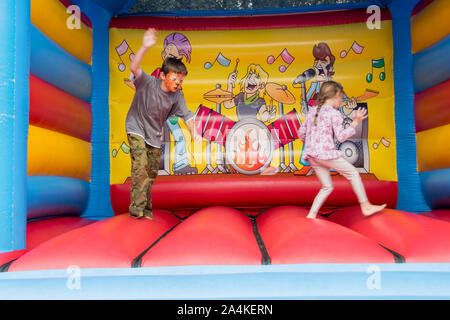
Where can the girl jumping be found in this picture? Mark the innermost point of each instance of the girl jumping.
(320, 151)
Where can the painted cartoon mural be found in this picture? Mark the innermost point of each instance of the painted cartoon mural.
(250, 91)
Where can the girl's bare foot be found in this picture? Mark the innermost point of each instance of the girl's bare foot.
(311, 215)
(369, 209)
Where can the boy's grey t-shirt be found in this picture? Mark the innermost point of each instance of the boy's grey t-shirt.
(150, 109)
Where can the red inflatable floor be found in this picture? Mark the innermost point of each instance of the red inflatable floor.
(237, 220)
(39, 231)
(416, 237)
(226, 236)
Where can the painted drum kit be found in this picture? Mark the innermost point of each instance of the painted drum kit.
(213, 127)
(249, 144)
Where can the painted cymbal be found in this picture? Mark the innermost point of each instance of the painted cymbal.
(218, 95)
(280, 93)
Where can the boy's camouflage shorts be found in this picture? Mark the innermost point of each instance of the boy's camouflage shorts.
(144, 169)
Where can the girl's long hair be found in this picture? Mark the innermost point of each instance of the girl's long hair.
(328, 90)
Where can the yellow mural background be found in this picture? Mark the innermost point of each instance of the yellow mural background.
(254, 46)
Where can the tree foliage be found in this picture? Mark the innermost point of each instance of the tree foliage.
(179, 5)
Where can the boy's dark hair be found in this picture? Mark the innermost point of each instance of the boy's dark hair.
(173, 65)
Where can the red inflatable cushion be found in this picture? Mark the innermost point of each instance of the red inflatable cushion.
(211, 236)
(290, 237)
(6, 257)
(416, 237)
(113, 242)
(39, 231)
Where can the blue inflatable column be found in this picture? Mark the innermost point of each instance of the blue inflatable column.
(99, 205)
(14, 108)
(410, 197)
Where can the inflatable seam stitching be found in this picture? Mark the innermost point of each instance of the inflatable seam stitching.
(137, 262)
(398, 258)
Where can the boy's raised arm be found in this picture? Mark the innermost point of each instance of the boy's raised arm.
(148, 41)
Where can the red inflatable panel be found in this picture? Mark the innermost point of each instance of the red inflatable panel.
(39, 231)
(430, 102)
(290, 237)
(416, 237)
(441, 214)
(211, 236)
(113, 242)
(6, 257)
(54, 109)
(238, 190)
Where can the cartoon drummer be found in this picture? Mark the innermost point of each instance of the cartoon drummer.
(323, 67)
(250, 102)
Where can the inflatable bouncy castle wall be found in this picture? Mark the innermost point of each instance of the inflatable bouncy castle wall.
(431, 93)
(230, 212)
(60, 119)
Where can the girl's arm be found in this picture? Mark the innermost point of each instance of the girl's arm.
(340, 133)
(359, 116)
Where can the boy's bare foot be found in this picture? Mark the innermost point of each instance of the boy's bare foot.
(369, 209)
(311, 216)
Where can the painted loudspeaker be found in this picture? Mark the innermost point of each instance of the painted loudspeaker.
(355, 149)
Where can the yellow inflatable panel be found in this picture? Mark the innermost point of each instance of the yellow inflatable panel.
(57, 154)
(51, 17)
(432, 149)
(430, 25)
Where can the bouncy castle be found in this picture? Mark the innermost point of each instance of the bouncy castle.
(229, 211)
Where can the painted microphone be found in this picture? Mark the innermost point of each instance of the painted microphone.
(305, 76)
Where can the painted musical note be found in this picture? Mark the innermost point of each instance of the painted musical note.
(378, 64)
(285, 56)
(221, 59)
(356, 48)
(124, 147)
(383, 141)
(121, 50)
